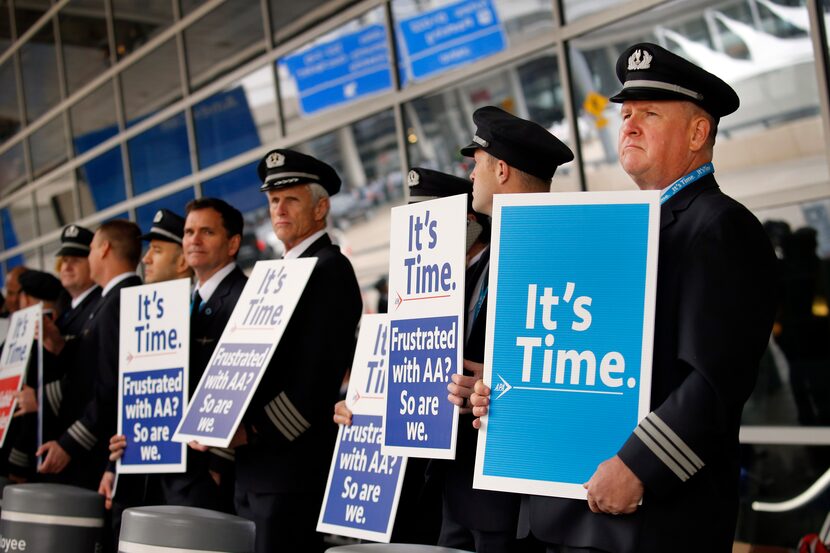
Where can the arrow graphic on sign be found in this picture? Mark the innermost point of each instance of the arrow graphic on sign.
(400, 300)
(505, 387)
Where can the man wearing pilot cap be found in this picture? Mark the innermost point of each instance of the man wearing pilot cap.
(714, 312)
(512, 155)
(164, 258)
(285, 441)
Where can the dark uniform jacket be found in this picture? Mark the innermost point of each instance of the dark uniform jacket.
(88, 408)
(22, 439)
(290, 434)
(70, 323)
(482, 510)
(714, 313)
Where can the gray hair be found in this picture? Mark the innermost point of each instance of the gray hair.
(317, 193)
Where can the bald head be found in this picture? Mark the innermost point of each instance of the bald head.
(13, 289)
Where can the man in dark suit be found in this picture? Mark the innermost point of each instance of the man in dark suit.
(74, 274)
(73, 271)
(512, 155)
(714, 313)
(163, 261)
(21, 440)
(89, 408)
(285, 441)
(418, 519)
(212, 235)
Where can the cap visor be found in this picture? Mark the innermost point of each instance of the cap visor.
(470, 149)
(72, 252)
(154, 236)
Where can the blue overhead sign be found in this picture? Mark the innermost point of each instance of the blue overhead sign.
(448, 37)
(341, 70)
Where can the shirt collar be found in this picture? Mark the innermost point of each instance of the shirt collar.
(207, 289)
(115, 281)
(300, 248)
(477, 256)
(76, 301)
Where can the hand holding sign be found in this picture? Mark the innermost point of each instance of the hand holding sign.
(56, 458)
(614, 489)
(480, 400)
(342, 414)
(26, 401)
(461, 387)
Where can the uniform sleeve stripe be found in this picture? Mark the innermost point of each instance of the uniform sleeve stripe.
(223, 453)
(668, 461)
(676, 440)
(286, 417)
(289, 434)
(55, 395)
(85, 431)
(78, 437)
(667, 446)
(17, 457)
(282, 398)
(50, 397)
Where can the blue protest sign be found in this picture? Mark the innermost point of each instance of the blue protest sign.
(152, 405)
(426, 282)
(364, 484)
(450, 36)
(342, 70)
(244, 350)
(568, 355)
(153, 375)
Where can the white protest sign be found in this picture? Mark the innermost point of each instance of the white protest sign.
(14, 360)
(153, 367)
(569, 336)
(426, 286)
(364, 485)
(247, 344)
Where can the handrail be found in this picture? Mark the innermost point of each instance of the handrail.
(798, 501)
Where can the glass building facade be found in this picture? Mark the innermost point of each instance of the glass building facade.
(115, 108)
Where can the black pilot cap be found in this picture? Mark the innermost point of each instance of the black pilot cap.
(285, 168)
(427, 184)
(167, 226)
(520, 143)
(75, 241)
(650, 72)
(40, 285)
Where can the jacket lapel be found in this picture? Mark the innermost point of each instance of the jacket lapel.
(322, 242)
(670, 210)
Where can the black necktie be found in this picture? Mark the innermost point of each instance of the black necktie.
(196, 306)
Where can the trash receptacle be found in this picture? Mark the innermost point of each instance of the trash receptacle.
(158, 529)
(3, 483)
(51, 518)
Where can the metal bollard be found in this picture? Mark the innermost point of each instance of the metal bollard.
(51, 518)
(184, 529)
